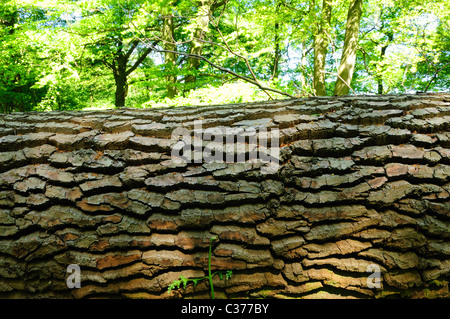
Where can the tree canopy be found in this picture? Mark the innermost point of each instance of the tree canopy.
(69, 54)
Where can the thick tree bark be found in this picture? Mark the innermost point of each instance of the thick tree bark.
(359, 188)
(321, 41)
(348, 58)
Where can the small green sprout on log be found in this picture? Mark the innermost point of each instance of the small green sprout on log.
(184, 281)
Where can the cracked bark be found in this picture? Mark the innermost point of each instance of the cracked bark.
(362, 180)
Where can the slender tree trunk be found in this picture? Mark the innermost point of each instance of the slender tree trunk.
(303, 64)
(120, 77)
(201, 23)
(276, 58)
(9, 21)
(348, 58)
(382, 54)
(380, 77)
(321, 41)
(304, 75)
(277, 51)
(169, 57)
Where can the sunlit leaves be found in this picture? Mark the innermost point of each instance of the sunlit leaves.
(53, 52)
(408, 32)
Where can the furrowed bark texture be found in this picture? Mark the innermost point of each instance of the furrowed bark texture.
(363, 182)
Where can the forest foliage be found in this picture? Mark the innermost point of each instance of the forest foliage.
(94, 54)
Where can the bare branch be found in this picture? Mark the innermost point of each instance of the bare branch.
(435, 75)
(152, 47)
(364, 53)
(133, 46)
(141, 58)
(216, 26)
(110, 65)
(200, 57)
(353, 91)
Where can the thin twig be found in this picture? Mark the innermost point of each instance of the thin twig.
(435, 75)
(200, 57)
(143, 39)
(146, 41)
(216, 26)
(227, 48)
(353, 91)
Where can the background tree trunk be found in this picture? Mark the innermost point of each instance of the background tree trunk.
(120, 78)
(348, 58)
(201, 22)
(321, 41)
(169, 57)
(380, 77)
(277, 53)
(390, 37)
(9, 20)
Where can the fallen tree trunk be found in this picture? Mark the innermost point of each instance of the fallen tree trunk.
(362, 185)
